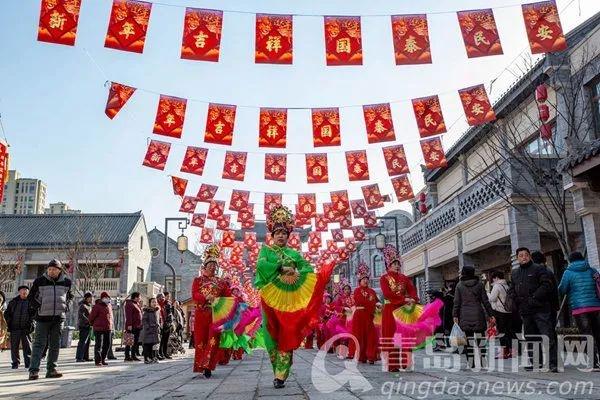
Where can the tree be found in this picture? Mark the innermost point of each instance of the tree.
(11, 263)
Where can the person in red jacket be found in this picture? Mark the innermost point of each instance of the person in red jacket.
(205, 289)
(133, 325)
(363, 329)
(101, 319)
(397, 290)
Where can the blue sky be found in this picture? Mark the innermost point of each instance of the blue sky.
(52, 97)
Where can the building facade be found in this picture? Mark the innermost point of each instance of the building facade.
(60, 208)
(23, 195)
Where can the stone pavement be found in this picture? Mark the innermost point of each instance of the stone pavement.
(252, 379)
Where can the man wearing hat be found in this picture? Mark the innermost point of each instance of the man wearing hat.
(50, 297)
(19, 320)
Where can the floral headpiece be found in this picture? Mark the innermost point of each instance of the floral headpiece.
(390, 254)
(338, 288)
(280, 217)
(363, 271)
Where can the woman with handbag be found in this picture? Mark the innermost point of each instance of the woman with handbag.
(133, 327)
(502, 308)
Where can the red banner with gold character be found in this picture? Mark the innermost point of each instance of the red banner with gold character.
(338, 235)
(307, 205)
(274, 34)
(235, 165)
(402, 188)
(350, 244)
(543, 27)
(316, 168)
(326, 127)
(272, 127)
(228, 239)
(117, 97)
(411, 39)
(157, 154)
(202, 34)
(250, 240)
(479, 32)
(428, 113)
(370, 220)
(245, 213)
(340, 202)
(248, 223)
(433, 153)
(206, 193)
(188, 204)
(207, 235)
(179, 185)
(220, 122)
(343, 41)
(223, 222)
(378, 119)
(372, 195)
(194, 160)
(359, 208)
(476, 104)
(216, 210)
(321, 223)
(346, 221)
(301, 221)
(271, 200)
(395, 160)
(58, 21)
(359, 233)
(198, 220)
(170, 116)
(294, 241)
(329, 213)
(239, 200)
(314, 240)
(127, 25)
(275, 167)
(357, 165)
(3, 167)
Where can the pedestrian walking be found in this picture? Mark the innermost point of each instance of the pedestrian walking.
(578, 283)
(85, 329)
(50, 296)
(133, 326)
(471, 311)
(502, 310)
(101, 319)
(150, 334)
(19, 321)
(166, 311)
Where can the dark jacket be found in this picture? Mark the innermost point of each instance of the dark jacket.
(166, 313)
(101, 317)
(471, 305)
(50, 298)
(578, 284)
(133, 314)
(150, 326)
(19, 315)
(532, 288)
(83, 315)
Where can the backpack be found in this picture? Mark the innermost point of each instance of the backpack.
(509, 303)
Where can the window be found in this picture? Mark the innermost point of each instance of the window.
(140, 274)
(546, 148)
(155, 252)
(169, 283)
(595, 87)
(141, 243)
(110, 272)
(378, 266)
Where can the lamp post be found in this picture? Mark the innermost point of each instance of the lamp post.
(182, 245)
(380, 237)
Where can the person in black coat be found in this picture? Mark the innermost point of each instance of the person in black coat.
(19, 319)
(472, 312)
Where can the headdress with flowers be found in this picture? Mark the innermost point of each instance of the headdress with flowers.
(211, 254)
(280, 217)
(390, 254)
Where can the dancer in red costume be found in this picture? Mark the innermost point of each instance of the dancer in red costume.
(325, 313)
(365, 300)
(397, 290)
(205, 289)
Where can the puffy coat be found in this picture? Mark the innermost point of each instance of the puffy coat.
(578, 284)
(150, 326)
(133, 314)
(18, 315)
(51, 298)
(101, 317)
(532, 288)
(83, 315)
(471, 305)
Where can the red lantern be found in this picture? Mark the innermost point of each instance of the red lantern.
(422, 197)
(541, 93)
(546, 131)
(422, 208)
(544, 112)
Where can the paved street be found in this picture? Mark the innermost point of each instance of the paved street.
(252, 379)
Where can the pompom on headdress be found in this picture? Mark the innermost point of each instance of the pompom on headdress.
(363, 271)
(211, 254)
(390, 254)
(280, 217)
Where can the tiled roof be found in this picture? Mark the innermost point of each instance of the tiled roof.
(590, 150)
(40, 230)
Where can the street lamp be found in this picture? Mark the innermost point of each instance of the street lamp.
(380, 241)
(182, 245)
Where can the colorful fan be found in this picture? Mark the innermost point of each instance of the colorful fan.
(223, 310)
(414, 324)
(408, 314)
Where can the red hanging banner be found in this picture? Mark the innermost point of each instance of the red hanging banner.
(206, 193)
(294, 241)
(477, 105)
(402, 188)
(372, 195)
(246, 213)
(198, 220)
(250, 240)
(314, 239)
(3, 167)
(223, 222)
(350, 244)
(207, 235)
(326, 127)
(188, 205)
(543, 27)
(360, 235)
(329, 213)
(340, 202)
(220, 122)
(127, 25)
(170, 116)
(321, 223)
(275, 167)
(248, 223)
(179, 185)
(395, 160)
(357, 165)
(272, 127)
(239, 200)
(338, 235)
(274, 34)
(117, 97)
(359, 208)
(216, 210)
(300, 221)
(346, 222)
(316, 168)
(370, 220)
(433, 153)
(271, 200)
(479, 32)
(378, 119)
(343, 41)
(428, 113)
(411, 39)
(307, 205)
(235, 165)
(202, 34)
(58, 21)
(194, 160)
(157, 154)
(228, 239)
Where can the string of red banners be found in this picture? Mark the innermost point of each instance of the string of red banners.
(202, 32)
(3, 166)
